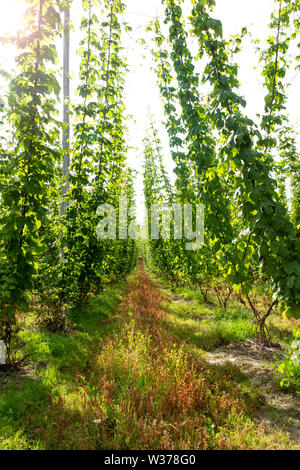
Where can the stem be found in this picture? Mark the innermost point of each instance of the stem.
(66, 116)
(275, 76)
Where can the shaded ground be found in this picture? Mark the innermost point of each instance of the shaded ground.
(279, 408)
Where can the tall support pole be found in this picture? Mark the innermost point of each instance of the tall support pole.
(66, 117)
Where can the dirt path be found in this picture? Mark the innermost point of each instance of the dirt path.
(279, 408)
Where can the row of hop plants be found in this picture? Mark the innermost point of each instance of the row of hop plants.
(236, 167)
(60, 260)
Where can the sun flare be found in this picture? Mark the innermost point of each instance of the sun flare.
(11, 16)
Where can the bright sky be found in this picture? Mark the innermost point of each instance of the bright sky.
(142, 93)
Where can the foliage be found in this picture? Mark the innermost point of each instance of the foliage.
(290, 367)
(62, 261)
(98, 170)
(33, 151)
(275, 125)
(263, 214)
(248, 234)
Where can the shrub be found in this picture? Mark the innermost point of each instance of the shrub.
(290, 367)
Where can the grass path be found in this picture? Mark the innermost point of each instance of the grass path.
(138, 386)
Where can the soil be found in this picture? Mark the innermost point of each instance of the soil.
(19, 371)
(278, 407)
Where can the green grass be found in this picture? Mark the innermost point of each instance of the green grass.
(29, 403)
(208, 327)
(123, 380)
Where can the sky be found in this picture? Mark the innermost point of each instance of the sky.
(141, 90)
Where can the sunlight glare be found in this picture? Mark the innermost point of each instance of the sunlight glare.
(11, 16)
